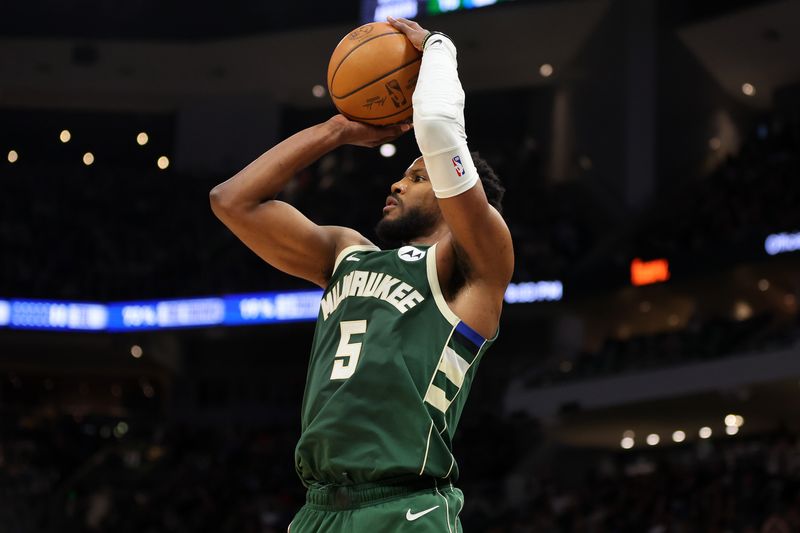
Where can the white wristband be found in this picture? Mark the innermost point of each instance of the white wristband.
(439, 120)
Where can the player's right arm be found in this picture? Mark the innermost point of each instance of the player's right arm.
(277, 232)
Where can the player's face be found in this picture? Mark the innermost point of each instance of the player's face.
(411, 209)
(411, 191)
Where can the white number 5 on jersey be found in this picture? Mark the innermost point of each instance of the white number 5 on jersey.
(346, 358)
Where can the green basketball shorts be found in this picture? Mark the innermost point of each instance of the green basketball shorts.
(422, 506)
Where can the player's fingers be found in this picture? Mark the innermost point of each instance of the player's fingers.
(404, 25)
(414, 25)
(408, 22)
(393, 132)
(399, 24)
(396, 131)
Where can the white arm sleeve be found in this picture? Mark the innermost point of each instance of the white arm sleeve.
(439, 120)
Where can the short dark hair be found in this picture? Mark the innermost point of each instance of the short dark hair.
(492, 185)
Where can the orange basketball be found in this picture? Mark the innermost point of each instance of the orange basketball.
(372, 74)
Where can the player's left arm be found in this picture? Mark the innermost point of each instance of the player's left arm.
(479, 231)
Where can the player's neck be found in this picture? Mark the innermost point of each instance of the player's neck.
(429, 239)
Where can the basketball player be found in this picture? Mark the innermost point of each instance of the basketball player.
(400, 332)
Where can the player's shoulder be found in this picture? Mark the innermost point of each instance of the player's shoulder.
(348, 240)
(347, 237)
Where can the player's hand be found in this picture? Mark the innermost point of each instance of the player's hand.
(415, 33)
(360, 134)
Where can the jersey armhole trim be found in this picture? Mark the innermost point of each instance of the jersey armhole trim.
(433, 281)
(351, 249)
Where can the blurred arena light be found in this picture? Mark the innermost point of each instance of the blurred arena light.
(5, 312)
(679, 436)
(734, 420)
(318, 91)
(147, 389)
(120, 429)
(779, 243)
(13, 156)
(546, 70)
(705, 432)
(136, 351)
(388, 150)
(629, 433)
(65, 136)
(763, 285)
(229, 310)
(649, 272)
(748, 89)
(41, 314)
(534, 291)
(742, 311)
(142, 139)
(731, 430)
(378, 10)
(163, 162)
(88, 158)
(653, 439)
(443, 6)
(627, 443)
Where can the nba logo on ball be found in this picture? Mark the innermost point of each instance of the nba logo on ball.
(458, 165)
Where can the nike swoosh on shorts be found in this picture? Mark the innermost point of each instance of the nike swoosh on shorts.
(413, 516)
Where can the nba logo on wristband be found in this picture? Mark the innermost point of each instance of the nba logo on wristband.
(458, 165)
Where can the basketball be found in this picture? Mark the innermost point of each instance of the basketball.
(372, 74)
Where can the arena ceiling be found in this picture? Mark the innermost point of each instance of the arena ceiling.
(759, 45)
(204, 20)
(147, 55)
(156, 76)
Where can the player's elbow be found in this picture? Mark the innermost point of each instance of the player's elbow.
(221, 201)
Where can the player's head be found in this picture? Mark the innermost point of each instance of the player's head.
(411, 209)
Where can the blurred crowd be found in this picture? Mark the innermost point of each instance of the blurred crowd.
(736, 485)
(699, 341)
(114, 234)
(70, 475)
(110, 232)
(63, 475)
(91, 236)
(746, 197)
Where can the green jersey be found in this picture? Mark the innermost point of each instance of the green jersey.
(390, 370)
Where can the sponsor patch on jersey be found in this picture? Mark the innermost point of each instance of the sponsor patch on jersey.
(410, 254)
(458, 166)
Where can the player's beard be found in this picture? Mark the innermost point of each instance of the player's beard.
(411, 224)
